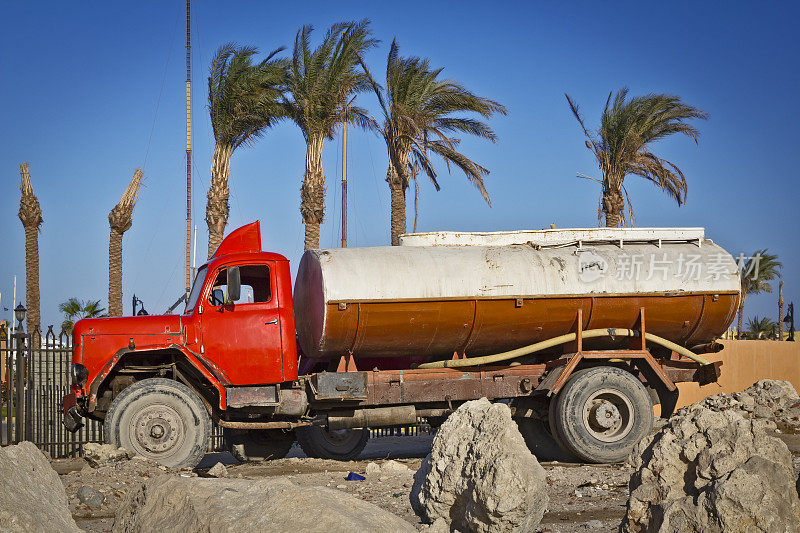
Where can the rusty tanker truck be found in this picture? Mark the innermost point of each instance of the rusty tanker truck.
(580, 331)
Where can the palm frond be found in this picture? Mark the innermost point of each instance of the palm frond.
(245, 98)
(422, 111)
(322, 80)
(628, 125)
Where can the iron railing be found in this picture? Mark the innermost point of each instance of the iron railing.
(36, 376)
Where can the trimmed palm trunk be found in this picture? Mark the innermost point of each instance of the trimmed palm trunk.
(780, 311)
(218, 208)
(613, 203)
(312, 193)
(397, 222)
(120, 220)
(30, 214)
(740, 320)
(398, 183)
(397, 178)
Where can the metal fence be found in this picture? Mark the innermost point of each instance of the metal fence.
(31, 399)
(36, 375)
(420, 428)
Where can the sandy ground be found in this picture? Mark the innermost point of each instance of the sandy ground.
(582, 497)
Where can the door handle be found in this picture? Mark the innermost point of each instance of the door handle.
(273, 321)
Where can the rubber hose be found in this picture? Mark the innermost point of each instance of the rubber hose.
(562, 339)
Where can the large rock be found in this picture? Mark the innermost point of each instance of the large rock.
(32, 498)
(712, 471)
(479, 475)
(97, 454)
(769, 399)
(187, 505)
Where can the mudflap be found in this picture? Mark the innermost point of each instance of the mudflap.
(73, 420)
(708, 373)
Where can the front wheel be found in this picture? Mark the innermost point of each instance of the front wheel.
(340, 444)
(601, 414)
(160, 419)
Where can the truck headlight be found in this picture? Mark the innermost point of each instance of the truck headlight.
(79, 374)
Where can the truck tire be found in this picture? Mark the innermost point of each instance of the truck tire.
(601, 414)
(160, 419)
(255, 445)
(340, 444)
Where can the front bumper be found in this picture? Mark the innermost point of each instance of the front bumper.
(73, 420)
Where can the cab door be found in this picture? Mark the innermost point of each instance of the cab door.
(243, 337)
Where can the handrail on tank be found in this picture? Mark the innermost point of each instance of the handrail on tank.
(578, 335)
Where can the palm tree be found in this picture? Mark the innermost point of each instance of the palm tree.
(627, 127)
(244, 99)
(756, 273)
(75, 310)
(30, 214)
(120, 220)
(418, 110)
(322, 83)
(761, 328)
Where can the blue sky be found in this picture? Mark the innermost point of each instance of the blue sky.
(92, 90)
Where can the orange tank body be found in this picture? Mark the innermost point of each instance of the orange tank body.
(428, 302)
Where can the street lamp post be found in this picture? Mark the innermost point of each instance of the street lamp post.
(789, 319)
(19, 338)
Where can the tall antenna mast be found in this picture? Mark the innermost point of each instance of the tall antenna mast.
(344, 179)
(188, 145)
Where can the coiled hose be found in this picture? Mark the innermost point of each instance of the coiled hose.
(562, 339)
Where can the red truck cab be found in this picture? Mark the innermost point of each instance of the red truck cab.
(221, 340)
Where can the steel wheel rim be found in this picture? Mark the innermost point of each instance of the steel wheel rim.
(157, 430)
(608, 415)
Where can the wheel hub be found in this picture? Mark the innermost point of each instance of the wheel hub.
(157, 429)
(606, 414)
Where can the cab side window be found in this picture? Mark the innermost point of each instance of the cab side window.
(255, 286)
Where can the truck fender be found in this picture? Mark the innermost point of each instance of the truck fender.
(215, 376)
(558, 376)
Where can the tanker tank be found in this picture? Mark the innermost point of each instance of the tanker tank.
(481, 293)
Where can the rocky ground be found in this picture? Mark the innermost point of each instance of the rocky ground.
(581, 497)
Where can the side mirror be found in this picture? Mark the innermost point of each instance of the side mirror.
(234, 284)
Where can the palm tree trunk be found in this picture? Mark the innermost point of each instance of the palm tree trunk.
(32, 277)
(115, 273)
(740, 323)
(30, 214)
(397, 220)
(780, 311)
(120, 220)
(217, 207)
(312, 193)
(613, 205)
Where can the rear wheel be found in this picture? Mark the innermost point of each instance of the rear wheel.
(601, 414)
(160, 419)
(254, 445)
(341, 444)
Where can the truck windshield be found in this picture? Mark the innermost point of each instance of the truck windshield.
(197, 287)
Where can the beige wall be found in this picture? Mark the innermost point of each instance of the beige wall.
(743, 363)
